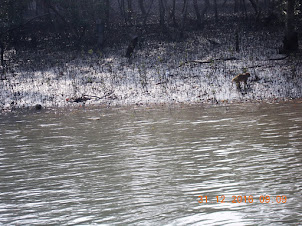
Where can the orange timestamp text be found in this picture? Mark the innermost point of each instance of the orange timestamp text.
(244, 199)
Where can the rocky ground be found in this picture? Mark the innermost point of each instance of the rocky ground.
(158, 72)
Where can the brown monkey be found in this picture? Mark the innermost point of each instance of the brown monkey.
(241, 78)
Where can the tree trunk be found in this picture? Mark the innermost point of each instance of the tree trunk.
(2, 53)
(266, 4)
(162, 13)
(129, 11)
(122, 9)
(2, 59)
(216, 11)
(290, 42)
(142, 7)
(237, 41)
(236, 6)
(290, 17)
(131, 46)
(148, 12)
(198, 16)
(255, 6)
(184, 17)
(243, 8)
(100, 29)
(173, 13)
(107, 12)
(205, 9)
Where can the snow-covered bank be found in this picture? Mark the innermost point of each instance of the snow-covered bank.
(157, 73)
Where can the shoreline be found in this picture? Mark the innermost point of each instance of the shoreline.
(103, 107)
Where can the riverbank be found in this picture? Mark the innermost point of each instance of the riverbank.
(197, 70)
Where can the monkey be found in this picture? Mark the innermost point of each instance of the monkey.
(241, 78)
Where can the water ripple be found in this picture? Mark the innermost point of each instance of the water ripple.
(149, 167)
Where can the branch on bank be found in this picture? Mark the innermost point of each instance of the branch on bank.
(208, 61)
(84, 98)
(278, 58)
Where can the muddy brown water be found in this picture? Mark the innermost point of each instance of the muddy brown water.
(150, 166)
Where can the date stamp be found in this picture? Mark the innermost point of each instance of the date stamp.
(279, 199)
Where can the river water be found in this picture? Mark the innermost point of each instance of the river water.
(149, 166)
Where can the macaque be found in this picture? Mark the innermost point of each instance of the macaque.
(241, 78)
